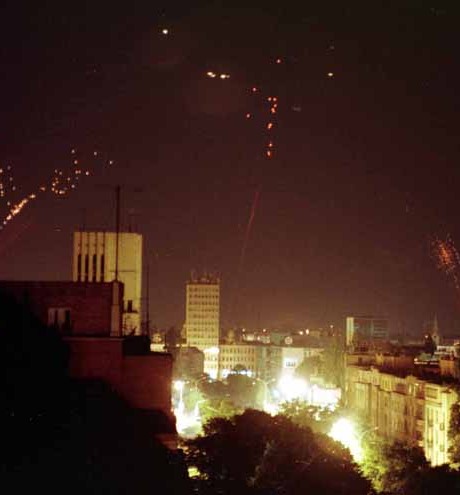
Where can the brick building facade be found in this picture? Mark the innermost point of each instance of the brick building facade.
(89, 318)
(76, 308)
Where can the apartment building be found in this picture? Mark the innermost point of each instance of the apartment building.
(400, 407)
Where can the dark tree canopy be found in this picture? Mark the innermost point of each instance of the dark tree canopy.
(256, 453)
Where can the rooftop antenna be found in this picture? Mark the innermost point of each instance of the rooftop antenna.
(83, 220)
(117, 228)
(147, 314)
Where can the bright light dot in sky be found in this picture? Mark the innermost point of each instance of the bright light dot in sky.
(330, 74)
(165, 31)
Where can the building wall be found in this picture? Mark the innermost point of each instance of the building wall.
(94, 260)
(232, 355)
(76, 308)
(202, 319)
(402, 408)
(144, 381)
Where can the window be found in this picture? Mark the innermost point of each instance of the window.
(94, 267)
(102, 267)
(86, 267)
(79, 268)
(60, 318)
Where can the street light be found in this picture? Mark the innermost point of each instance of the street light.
(179, 386)
(266, 406)
(344, 431)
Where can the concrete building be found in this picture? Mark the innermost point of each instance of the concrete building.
(402, 407)
(369, 331)
(202, 319)
(95, 260)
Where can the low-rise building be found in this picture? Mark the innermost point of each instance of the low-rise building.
(233, 355)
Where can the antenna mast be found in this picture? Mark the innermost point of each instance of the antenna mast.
(117, 227)
(147, 314)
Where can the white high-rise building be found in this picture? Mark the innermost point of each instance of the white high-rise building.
(202, 315)
(95, 260)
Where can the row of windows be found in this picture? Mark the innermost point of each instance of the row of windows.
(203, 335)
(203, 289)
(239, 351)
(225, 359)
(207, 302)
(203, 313)
(202, 296)
(83, 272)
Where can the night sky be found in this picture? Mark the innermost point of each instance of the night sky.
(365, 171)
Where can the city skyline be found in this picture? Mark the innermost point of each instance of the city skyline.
(339, 221)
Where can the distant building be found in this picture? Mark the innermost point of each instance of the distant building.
(233, 355)
(95, 260)
(202, 319)
(366, 331)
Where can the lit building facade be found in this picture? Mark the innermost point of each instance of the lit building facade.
(232, 355)
(95, 260)
(403, 408)
(366, 330)
(202, 319)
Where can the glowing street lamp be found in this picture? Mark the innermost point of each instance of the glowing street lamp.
(344, 431)
(292, 388)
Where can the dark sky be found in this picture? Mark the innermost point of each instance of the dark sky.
(364, 174)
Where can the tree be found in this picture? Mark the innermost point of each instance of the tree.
(332, 369)
(217, 408)
(391, 466)
(241, 389)
(434, 480)
(308, 367)
(429, 345)
(172, 338)
(256, 453)
(454, 433)
(319, 419)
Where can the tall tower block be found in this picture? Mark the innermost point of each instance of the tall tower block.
(95, 260)
(202, 316)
